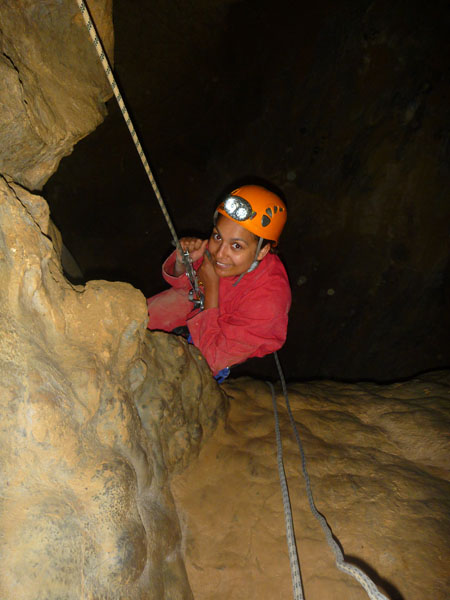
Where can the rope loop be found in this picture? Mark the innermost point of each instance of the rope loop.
(342, 565)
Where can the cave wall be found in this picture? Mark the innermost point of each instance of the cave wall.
(52, 87)
(85, 507)
(102, 420)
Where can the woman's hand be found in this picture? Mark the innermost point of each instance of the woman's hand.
(196, 248)
(209, 279)
(206, 275)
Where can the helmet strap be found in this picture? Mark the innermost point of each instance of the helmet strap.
(254, 264)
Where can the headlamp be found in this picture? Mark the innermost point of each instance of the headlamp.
(238, 208)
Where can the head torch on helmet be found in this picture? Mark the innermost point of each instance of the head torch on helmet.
(257, 209)
(238, 208)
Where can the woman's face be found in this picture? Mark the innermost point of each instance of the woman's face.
(232, 248)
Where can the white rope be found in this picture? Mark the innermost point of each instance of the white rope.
(109, 74)
(355, 572)
(292, 548)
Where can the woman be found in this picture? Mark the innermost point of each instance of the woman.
(246, 290)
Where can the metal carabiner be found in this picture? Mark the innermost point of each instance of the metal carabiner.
(196, 296)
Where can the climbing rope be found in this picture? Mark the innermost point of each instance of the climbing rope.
(109, 74)
(358, 574)
(197, 295)
(292, 548)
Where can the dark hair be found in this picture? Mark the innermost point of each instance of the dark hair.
(273, 248)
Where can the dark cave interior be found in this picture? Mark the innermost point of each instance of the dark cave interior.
(344, 106)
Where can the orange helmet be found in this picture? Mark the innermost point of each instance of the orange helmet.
(257, 209)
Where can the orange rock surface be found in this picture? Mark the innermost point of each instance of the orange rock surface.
(378, 458)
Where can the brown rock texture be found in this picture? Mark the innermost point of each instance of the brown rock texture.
(179, 402)
(52, 87)
(378, 459)
(85, 509)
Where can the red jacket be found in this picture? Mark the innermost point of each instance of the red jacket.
(251, 319)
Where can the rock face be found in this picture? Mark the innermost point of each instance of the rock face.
(179, 402)
(378, 459)
(52, 87)
(86, 511)
(85, 508)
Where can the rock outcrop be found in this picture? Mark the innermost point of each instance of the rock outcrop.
(378, 458)
(86, 510)
(52, 86)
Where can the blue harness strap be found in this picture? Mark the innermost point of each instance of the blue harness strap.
(222, 375)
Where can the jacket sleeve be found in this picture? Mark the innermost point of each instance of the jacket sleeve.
(256, 328)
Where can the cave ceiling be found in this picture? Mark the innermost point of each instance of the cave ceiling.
(344, 106)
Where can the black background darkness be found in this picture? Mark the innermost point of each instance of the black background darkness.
(342, 105)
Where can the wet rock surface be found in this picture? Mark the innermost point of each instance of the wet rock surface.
(377, 457)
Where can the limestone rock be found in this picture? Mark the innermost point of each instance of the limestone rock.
(378, 458)
(85, 510)
(179, 402)
(52, 86)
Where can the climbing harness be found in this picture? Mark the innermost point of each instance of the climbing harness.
(355, 572)
(195, 294)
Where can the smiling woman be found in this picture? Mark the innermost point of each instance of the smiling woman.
(246, 289)
(233, 249)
